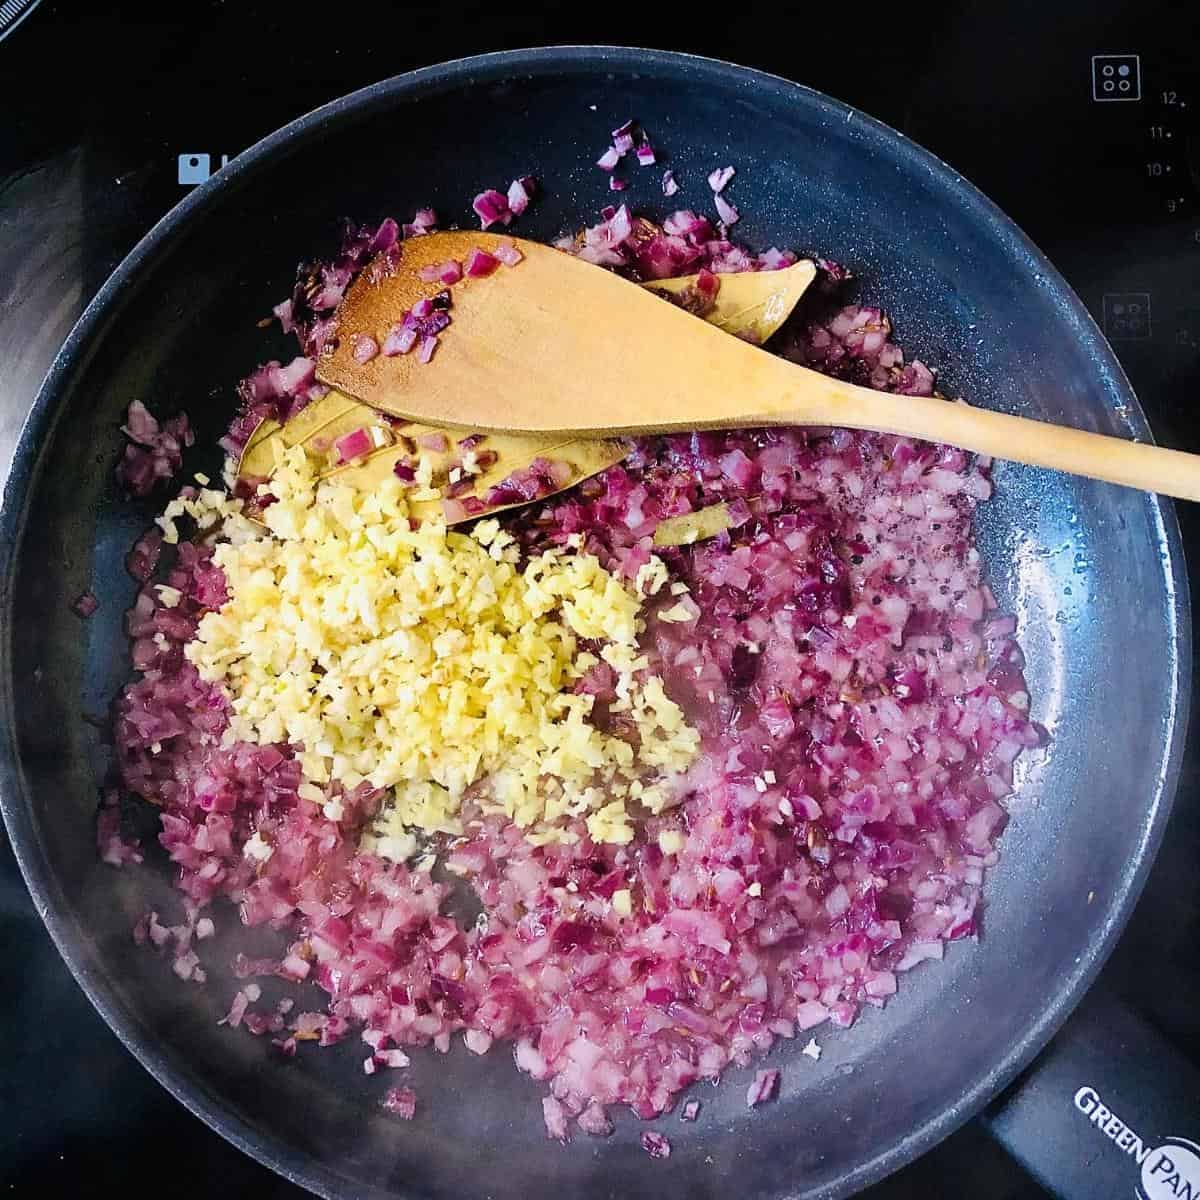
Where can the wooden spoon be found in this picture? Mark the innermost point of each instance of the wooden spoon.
(557, 346)
(750, 305)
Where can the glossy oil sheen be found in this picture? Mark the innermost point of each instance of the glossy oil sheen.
(1094, 573)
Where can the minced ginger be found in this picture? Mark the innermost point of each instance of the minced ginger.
(429, 661)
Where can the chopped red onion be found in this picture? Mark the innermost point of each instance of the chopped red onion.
(728, 214)
(435, 320)
(140, 426)
(690, 1111)
(669, 186)
(422, 307)
(520, 193)
(426, 350)
(555, 1117)
(491, 207)
(720, 177)
(430, 273)
(645, 154)
(450, 271)
(480, 263)
(542, 477)
(508, 254)
(84, 605)
(416, 228)
(685, 223)
(609, 159)
(141, 561)
(707, 284)
(620, 224)
(155, 452)
(386, 236)
(616, 185)
(437, 442)
(623, 138)
(113, 847)
(355, 444)
(775, 260)
(594, 1120)
(237, 1010)
(656, 1145)
(765, 1085)
(460, 485)
(399, 341)
(401, 1102)
(187, 966)
(365, 348)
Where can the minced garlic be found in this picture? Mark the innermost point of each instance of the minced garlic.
(671, 841)
(429, 662)
(651, 576)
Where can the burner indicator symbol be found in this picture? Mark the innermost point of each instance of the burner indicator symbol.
(12, 13)
(194, 169)
(1127, 316)
(1116, 77)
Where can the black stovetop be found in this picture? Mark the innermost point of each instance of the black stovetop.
(1079, 118)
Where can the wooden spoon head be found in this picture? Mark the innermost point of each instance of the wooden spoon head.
(552, 345)
(751, 305)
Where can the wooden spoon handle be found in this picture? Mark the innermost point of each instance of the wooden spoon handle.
(1037, 443)
(561, 347)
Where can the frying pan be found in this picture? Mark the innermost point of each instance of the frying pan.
(1094, 572)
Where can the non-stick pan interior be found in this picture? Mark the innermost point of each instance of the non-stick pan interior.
(1092, 571)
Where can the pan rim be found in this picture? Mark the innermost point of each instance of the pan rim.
(290, 138)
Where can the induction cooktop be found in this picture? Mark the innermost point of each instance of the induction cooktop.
(1080, 118)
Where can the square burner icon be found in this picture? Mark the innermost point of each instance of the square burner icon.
(1127, 316)
(193, 169)
(1116, 77)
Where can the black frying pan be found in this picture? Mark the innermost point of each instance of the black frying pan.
(1094, 572)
